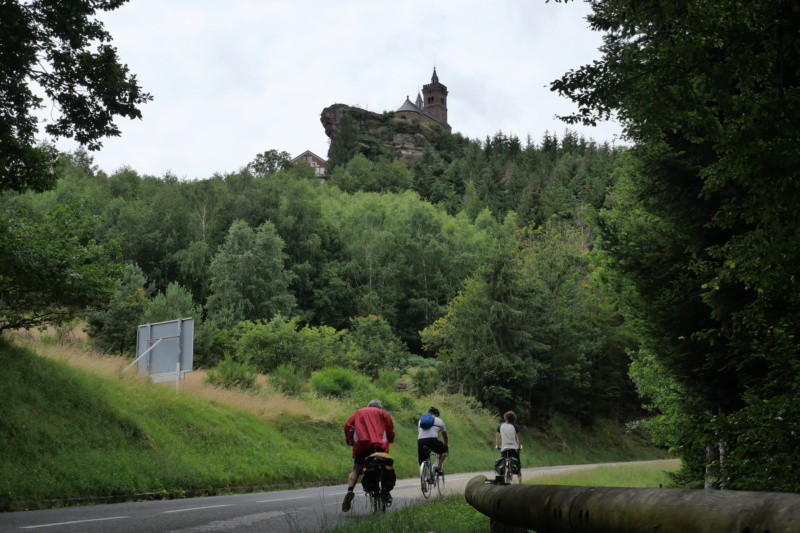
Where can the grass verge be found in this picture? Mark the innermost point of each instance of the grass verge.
(71, 426)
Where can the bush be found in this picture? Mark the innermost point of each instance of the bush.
(375, 347)
(337, 381)
(281, 340)
(425, 381)
(387, 380)
(288, 380)
(230, 374)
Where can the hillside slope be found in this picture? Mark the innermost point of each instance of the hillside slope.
(72, 427)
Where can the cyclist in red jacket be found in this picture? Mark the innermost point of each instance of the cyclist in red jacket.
(369, 430)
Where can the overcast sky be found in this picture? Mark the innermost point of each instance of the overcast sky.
(235, 78)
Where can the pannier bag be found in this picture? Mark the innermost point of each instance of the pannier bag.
(500, 466)
(370, 477)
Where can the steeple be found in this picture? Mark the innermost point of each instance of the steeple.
(435, 98)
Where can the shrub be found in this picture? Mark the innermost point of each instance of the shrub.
(337, 381)
(425, 380)
(375, 346)
(288, 380)
(230, 374)
(387, 380)
(281, 340)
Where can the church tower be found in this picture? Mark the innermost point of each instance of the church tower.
(434, 96)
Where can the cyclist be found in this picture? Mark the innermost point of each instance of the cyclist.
(507, 438)
(429, 436)
(369, 430)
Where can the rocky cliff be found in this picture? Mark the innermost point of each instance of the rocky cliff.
(381, 132)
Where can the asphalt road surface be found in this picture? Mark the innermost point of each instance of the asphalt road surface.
(290, 511)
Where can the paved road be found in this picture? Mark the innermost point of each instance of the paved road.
(292, 511)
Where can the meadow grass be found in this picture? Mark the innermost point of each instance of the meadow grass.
(641, 475)
(73, 426)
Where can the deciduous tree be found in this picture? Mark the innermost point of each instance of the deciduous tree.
(51, 269)
(709, 91)
(61, 48)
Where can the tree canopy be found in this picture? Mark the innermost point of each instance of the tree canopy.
(705, 228)
(64, 51)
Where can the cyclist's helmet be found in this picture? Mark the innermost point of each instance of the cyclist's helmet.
(434, 411)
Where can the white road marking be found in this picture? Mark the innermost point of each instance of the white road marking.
(284, 499)
(73, 522)
(194, 509)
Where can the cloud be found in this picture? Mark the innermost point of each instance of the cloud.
(233, 79)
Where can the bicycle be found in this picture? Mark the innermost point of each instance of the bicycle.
(380, 483)
(427, 477)
(508, 468)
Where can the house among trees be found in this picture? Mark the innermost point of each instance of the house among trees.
(431, 106)
(319, 165)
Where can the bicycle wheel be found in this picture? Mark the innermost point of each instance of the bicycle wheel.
(424, 477)
(440, 482)
(508, 474)
(378, 503)
(376, 495)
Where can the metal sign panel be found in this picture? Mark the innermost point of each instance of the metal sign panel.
(165, 350)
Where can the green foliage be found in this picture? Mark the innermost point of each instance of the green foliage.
(361, 174)
(373, 346)
(532, 332)
(231, 374)
(337, 382)
(344, 145)
(113, 328)
(425, 381)
(488, 340)
(250, 281)
(283, 341)
(288, 380)
(707, 252)
(52, 269)
(62, 51)
(387, 380)
(175, 303)
(269, 162)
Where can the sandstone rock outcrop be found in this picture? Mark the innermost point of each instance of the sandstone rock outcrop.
(395, 133)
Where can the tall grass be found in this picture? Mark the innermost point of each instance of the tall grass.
(72, 426)
(644, 475)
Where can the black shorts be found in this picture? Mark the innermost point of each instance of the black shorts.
(433, 443)
(361, 458)
(510, 453)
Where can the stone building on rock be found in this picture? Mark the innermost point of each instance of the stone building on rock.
(430, 106)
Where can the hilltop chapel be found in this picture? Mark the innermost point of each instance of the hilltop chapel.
(431, 105)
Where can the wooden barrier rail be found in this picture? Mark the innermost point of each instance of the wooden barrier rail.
(571, 509)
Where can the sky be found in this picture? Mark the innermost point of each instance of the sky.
(233, 79)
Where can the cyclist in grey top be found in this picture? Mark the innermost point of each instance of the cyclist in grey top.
(430, 437)
(507, 438)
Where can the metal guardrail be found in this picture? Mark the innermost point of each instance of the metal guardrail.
(571, 509)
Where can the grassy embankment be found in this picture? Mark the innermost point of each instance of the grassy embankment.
(72, 427)
(454, 515)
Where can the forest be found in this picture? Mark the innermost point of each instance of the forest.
(492, 290)
(552, 276)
